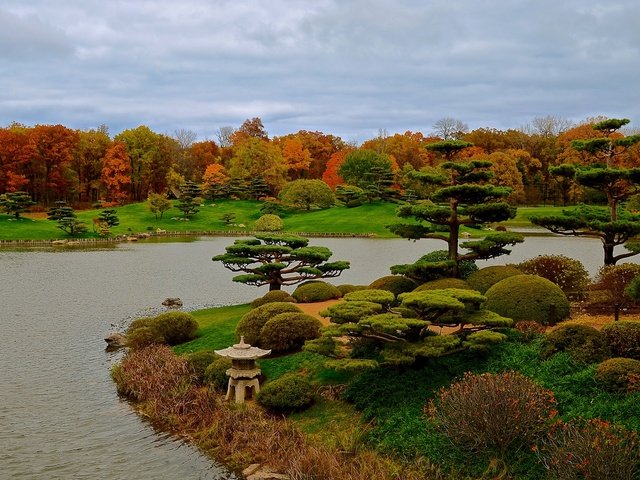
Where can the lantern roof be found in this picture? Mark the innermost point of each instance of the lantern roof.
(242, 351)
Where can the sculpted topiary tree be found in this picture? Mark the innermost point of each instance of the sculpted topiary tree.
(187, 203)
(613, 225)
(67, 219)
(462, 197)
(276, 260)
(15, 203)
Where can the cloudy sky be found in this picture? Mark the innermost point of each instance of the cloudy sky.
(343, 67)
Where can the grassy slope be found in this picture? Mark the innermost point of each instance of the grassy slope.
(135, 217)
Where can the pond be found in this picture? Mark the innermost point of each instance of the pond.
(59, 414)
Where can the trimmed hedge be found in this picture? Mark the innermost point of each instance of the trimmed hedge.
(273, 296)
(315, 291)
(268, 223)
(383, 297)
(623, 338)
(395, 284)
(487, 277)
(347, 288)
(581, 342)
(289, 331)
(443, 283)
(287, 393)
(619, 375)
(528, 297)
(252, 322)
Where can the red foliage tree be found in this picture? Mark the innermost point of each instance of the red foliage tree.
(116, 172)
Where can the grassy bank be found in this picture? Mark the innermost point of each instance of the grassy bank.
(136, 217)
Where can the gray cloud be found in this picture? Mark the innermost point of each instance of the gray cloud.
(346, 68)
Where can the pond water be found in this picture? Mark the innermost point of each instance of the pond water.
(59, 414)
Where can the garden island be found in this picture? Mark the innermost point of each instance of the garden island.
(441, 369)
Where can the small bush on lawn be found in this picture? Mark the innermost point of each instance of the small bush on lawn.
(487, 277)
(582, 343)
(623, 338)
(569, 274)
(315, 291)
(529, 330)
(592, 449)
(443, 283)
(287, 393)
(619, 375)
(396, 284)
(252, 322)
(269, 223)
(215, 376)
(289, 331)
(493, 411)
(346, 288)
(199, 361)
(273, 296)
(171, 328)
(528, 297)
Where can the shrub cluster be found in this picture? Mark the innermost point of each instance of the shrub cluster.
(347, 288)
(215, 376)
(581, 342)
(483, 279)
(395, 284)
(569, 274)
(252, 322)
(315, 291)
(591, 449)
(289, 331)
(528, 297)
(273, 296)
(493, 411)
(199, 361)
(171, 328)
(289, 392)
(619, 375)
(381, 296)
(623, 338)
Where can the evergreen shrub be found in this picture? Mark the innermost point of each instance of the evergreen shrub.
(252, 322)
(465, 267)
(383, 297)
(485, 278)
(289, 331)
(315, 291)
(273, 296)
(287, 393)
(347, 288)
(569, 274)
(443, 283)
(199, 361)
(582, 343)
(528, 297)
(396, 284)
(619, 375)
(215, 376)
(171, 328)
(623, 338)
(268, 223)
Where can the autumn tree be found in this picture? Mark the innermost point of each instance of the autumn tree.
(613, 225)
(331, 176)
(256, 157)
(116, 173)
(158, 204)
(86, 163)
(141, 145)
(320, 146)
(250, 128)
(214, 174)
(297, 159)
(277, 260)
(197, 158)
(16, 150)
(15, 203)
(406, 148)
(462, 197)
(306, 194)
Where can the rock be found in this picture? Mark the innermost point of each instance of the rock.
(251, 469)
(59, 242)
(115, 340)
(172, 303)
(265, 473)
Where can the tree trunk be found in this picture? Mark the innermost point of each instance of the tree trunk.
(616, 312)
(454, 233)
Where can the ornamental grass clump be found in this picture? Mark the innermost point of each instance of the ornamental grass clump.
(493, 412)
(590, 449)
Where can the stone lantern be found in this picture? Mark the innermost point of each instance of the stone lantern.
(244, 372)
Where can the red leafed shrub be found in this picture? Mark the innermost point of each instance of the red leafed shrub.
(493, 411)
(591, 449)
(530, 330)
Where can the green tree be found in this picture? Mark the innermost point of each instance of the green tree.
(369, 170)
(469, 201)
(613, 225)
(67, 219)
(158, 204)
(15, 203)
(109, 217)
(276, 260)
(305, 194)
(188, 202)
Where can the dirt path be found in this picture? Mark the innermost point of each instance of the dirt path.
(313, 309)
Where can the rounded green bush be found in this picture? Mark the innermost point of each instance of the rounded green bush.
(395, 284)
(346, 288)
(383, 297)
(528, 297)
(583, 343)
(252, 322)
(569, 274)
(273, 296)
(142, 337)
(443, 283)
(289, 331)
(289, 392)
(199, 361)
(215, 376)
(618, 374)
(268, 223)
(171, 328)
(486, 277)
(623, 338)
(315, 291)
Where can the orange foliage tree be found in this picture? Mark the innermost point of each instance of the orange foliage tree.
(296, 158)
(15, 151)
(214, 174)
(116, 172)
(331, 176)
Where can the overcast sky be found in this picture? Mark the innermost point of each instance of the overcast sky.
(343, 67)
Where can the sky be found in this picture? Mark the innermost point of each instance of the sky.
(348, 68)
